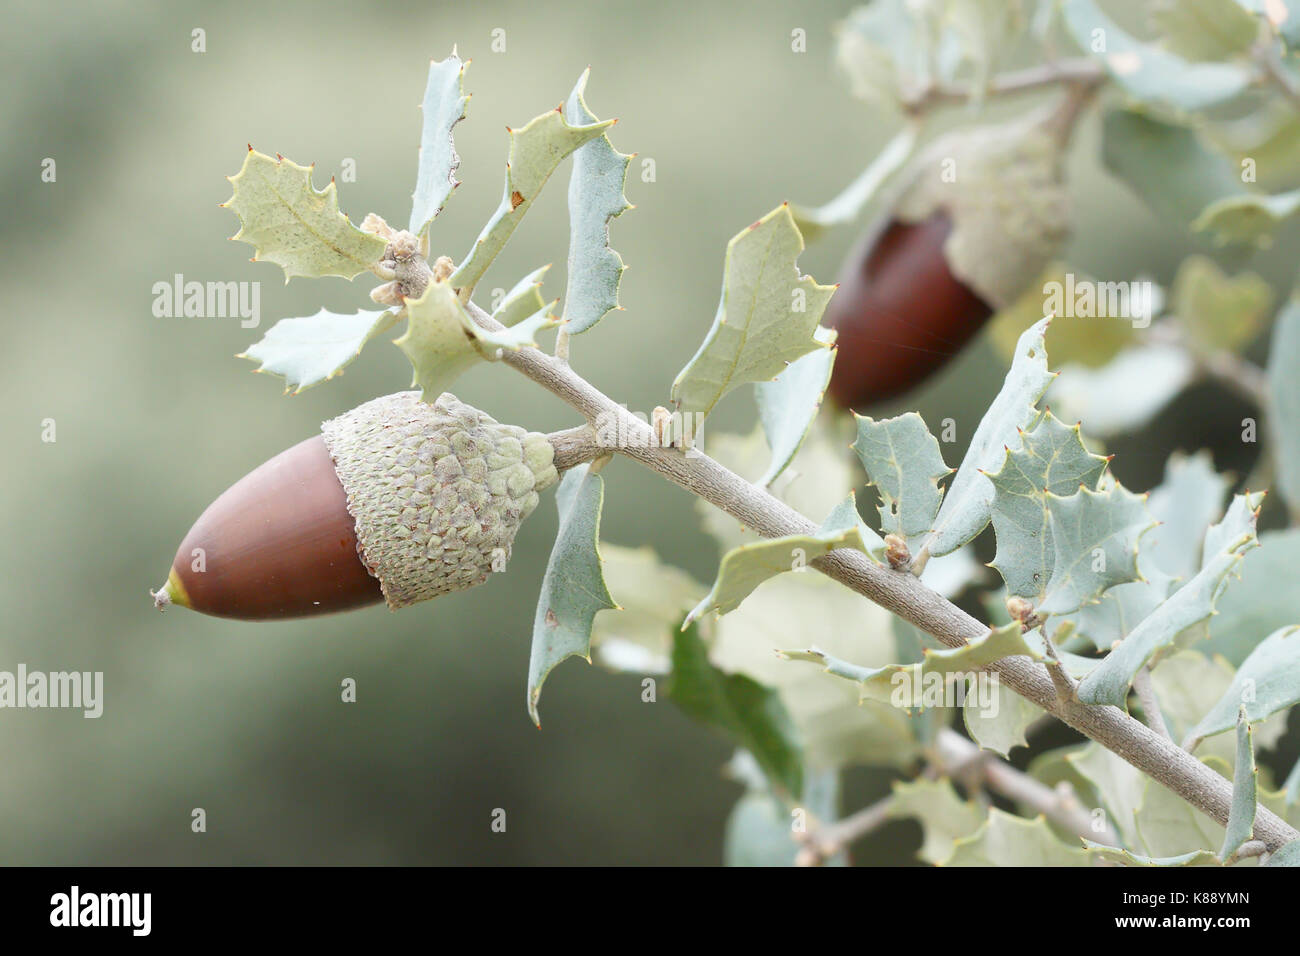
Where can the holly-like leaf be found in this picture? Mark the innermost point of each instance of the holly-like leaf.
(1245, 803)
(944, 817)
(848, 205)
(1095, 534)
(442, 341)
(751, 714)
(968, 504)
(1248, 217)
(1169, 826)
(1110, 854)
(1220, 311)
(1267, 681)
(595, 199)
(1000, 725)
(313, 349)
(1118, 784)
(1121, 608)
(1148, 73)
(1284, 388)
(787, 405)
(523, 301)
(298, 227)
(904, 685)
(746, 567)
(535, 152)
(902, 459)
(1009, 840)
(1225, 544)
(444, 105)
(1051, 460)
(573, 588)
(766, 318)
(1205, 29)
(1186, 503)
(653, 598)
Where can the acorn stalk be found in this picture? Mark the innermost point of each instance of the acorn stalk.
(397, 500)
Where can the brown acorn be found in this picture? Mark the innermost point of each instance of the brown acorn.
(398, 500)
(984, 212)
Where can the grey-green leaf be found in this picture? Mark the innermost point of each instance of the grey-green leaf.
(968, 504)
(1288, 855)
(1095, 535)
(1241, 813)
(1267, 681)
(848, 205)
(310, 350)
(902, 459)
(573, 588)
(443, 107)
(787, 405)
(766, 318)
(523, 301)
(1284, 388)
(595, 198)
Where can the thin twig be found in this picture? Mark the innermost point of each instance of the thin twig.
(1146, 694)
(822, 843)
(1076, 71)
(902, 594)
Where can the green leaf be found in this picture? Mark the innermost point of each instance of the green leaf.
(1148, 73)
(595, 199)
(766, 318)
(1121, 608)
(1187, 684)
(1118, 784)
(968, 504)
(902, 459)
(1001, 726)
(1220, 311)
(1051, 459)
(1205, 29)
(1284, 389)
(1261, 602)
(444, 106)
(944, 816)
(1288, 855)
(1186, 503)
(1127, 392)
(788, 405)
(746, 567)
(1110, 854)
(523, 301)
(535, 152)
(1095, 534)
(1241, 814)
(909, 685)
(1292, 785)
(1008, 840)
(751, 714)
(1167, 825)
(1267, 681)
(573, 588)
(1247, 218)
(652, 598)
(1225, 543)
(760, 829)
(887, 51)
(442, 341)
(298, 227)
(313, 349)
(1166, 165)
(848, 205)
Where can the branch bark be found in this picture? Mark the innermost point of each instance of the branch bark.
(897, 591)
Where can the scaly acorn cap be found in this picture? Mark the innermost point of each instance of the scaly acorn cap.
(1002, 187)
(396, 500)
(438, 491)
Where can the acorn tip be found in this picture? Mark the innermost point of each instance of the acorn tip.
(172, 592)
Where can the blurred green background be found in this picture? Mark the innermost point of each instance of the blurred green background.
(155, 417)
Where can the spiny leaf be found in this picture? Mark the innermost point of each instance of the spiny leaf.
(1121, 608)
(445, 102)
(1148, 73)
(766, 318)
(1111, 854)
(968, 504)
(313, 349)
(1009, 840)
(298, 227)
(944, 816)
(442, 341)
(1241, 814)
(848, 205)
(902, 459)
(523, 301)
(1220, 311)
(1284, 388)
(746, 567)
(573, 588)
(1225, 544)
(787, 405)
(909, 685)
(535, 152)
(1267, 681)
(748, 712)
(1001, 726)
(595, 199)
(1095, 535)
(1186, 503)
(1051, 460)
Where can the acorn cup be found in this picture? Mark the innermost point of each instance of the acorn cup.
(397, 500)
(983, 213)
